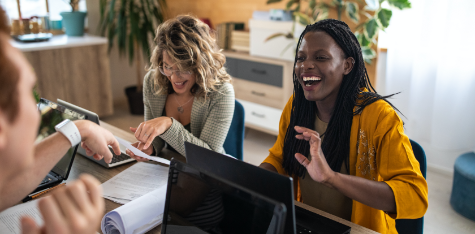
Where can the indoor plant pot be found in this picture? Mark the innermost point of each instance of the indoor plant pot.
(135, 100)
(73, 22)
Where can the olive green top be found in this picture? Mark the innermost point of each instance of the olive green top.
(321, 196)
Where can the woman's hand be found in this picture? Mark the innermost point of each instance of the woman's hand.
(148, 130)
(139, 145)
(317, 166)
(75, 208)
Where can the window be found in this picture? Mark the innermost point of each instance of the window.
(31, 8)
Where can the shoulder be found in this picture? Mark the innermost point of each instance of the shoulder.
(225, 90)
(380, 113)
(149, 78)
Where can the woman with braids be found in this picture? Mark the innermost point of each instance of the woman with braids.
(187, 92)
(343, 143)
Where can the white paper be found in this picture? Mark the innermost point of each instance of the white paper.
(135, 181)
(138, 216)
(140, 153)
(10, 218)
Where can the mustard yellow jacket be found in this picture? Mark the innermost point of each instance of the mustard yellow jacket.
(379, 151)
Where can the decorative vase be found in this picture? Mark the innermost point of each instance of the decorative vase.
(73, 23)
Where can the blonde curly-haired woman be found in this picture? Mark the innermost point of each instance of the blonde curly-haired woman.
(187, 91)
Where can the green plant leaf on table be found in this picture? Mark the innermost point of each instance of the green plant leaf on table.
(362, 39)
(302, 18)
(289, 4)
(400, 4)
(384, 16)
(352, 11)
(273, 1)
(368, 54)
(371, 28)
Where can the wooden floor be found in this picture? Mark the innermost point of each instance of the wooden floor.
(440, 217)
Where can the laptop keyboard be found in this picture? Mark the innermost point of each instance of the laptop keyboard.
(301, 229)
(118, 158)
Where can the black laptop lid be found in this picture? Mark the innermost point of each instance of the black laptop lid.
(269, 184)
(200, 202)
(51, 115)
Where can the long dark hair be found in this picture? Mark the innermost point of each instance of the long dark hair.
(350, 101)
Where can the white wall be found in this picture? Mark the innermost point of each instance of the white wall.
(122, 73)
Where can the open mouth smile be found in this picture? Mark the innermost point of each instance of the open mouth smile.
(311, 80)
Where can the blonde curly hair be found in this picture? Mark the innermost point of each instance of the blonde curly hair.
(189, 44)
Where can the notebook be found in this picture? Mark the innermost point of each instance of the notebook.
(51, 115)
(267, 183)
(117, 160)
(200, 202)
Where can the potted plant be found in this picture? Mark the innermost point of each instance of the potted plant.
(377, 18)
(73, 21)
(133, 24)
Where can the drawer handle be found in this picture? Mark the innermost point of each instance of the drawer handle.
(258, 115)
(260, 72)
(258, 94)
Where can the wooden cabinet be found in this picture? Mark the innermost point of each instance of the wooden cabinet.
(263, 86)
(73, 69)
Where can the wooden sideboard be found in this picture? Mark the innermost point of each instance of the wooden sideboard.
(74, 69)
(263, 86)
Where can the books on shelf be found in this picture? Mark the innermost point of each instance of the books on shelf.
(225, 32)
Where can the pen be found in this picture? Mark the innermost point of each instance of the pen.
(31, 197)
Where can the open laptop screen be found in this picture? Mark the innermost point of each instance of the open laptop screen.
(51, 115)
(199, 202)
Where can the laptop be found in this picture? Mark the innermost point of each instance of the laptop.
(267, 183)
(51, 115)
(116, 159)
(199, 202)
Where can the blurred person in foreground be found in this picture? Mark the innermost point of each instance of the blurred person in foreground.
(75, 208)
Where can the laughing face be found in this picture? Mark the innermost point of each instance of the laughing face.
(320, 67)
(182, 81)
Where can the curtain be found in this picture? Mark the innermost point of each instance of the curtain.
(431, 61)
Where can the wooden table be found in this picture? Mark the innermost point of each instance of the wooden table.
(83, 165)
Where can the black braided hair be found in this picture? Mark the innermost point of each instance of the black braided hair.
(336, 143)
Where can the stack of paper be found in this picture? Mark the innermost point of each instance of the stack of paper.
(135, 182)
(10, 218)
(138, 216)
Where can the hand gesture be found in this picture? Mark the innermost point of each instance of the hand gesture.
(95, 140)
(317, 166)
(148, 130)
(139, 145)
(75, 208)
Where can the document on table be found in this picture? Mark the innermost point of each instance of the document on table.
(140, 153)
(138, 216)
(10, 218)
(135, 182)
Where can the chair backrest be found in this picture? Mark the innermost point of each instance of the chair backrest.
(234, 143)
(414, 226)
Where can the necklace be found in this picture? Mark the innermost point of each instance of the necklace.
(180, 107)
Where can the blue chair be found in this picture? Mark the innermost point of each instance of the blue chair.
(414, 226)
(462, 197)
(234, 143)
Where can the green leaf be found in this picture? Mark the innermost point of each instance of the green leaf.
(371, 28)
(275, 35)
(384, 16)
(312, 4)
(289, 4)
(352, 11)
(368, 54)
(273, 1)
(400, 4)
(302, 18)
(372, 5)
(362, 39)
